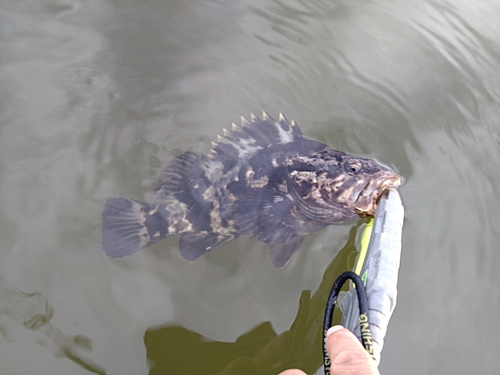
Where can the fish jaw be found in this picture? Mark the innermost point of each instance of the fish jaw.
(366, 202)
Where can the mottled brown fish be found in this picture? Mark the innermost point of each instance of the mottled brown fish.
(262, 179)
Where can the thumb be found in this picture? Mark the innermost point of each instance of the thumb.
(347, 355)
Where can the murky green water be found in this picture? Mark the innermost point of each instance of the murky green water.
(96, 97)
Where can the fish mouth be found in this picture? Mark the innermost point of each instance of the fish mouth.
(366, 202)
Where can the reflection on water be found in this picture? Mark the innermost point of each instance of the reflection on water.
(97, 96)
(34, 313)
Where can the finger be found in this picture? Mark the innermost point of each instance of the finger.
(347, 355)
(293, 372)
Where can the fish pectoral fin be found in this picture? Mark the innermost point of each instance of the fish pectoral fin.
(194, 245)
(282, 252)
(129, 226)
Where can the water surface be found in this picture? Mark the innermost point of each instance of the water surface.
(96, 97)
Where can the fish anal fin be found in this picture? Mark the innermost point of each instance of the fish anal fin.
(194, 245)
(282, 252)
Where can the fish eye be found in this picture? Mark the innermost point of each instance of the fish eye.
(352, 166)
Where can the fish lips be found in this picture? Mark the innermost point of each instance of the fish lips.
(366, 202)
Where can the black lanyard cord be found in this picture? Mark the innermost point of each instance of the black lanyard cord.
(366, 335)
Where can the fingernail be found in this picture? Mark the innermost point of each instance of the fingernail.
(333, 329)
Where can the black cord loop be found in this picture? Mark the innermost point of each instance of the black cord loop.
(366, 335)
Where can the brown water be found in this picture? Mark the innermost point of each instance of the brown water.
(96, 97)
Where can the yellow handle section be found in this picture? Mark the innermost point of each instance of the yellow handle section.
(365, 241)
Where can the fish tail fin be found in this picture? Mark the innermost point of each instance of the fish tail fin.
(129, 226)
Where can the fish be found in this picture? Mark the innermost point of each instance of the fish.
(262, 178)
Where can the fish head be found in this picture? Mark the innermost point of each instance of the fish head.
(332, 186)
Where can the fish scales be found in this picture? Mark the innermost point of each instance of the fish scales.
(263, 178)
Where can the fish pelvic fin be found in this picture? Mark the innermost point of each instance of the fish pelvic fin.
(129, 226)
(282, 252)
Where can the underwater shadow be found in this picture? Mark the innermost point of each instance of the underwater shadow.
(173, 349)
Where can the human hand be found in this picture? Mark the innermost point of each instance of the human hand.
(347, 355)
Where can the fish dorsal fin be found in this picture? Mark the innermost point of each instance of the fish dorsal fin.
(191, 168)
(185, 173)
(183, 167)
(253, 135)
